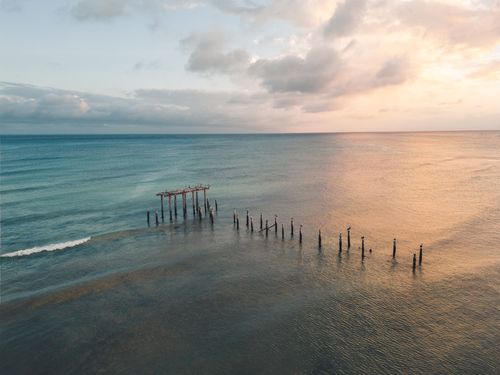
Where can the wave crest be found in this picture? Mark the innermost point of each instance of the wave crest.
(51, 247)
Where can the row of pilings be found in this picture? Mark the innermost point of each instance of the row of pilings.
(265, 227)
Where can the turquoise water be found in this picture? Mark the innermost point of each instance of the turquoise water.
(189, 297)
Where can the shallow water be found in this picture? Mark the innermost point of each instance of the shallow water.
(188, 297)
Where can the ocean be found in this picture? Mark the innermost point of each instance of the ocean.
(88, 287)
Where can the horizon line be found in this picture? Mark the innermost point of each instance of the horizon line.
(259, 133)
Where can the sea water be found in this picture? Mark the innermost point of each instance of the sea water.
(87, 286)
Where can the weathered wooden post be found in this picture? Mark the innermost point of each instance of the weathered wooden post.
(237, 222)
(300, 234)
(248, 219)
(275, 225)
(394, 248)
(162, 215)
(267, 228)
(211, 216)
(175, 205)
(170, 206)
(282, 232)
(420, 255)
(362, 247)
(291, 227)
(216, 207)
(205, 199)
(192, 201)
(184, 205)
(234, 216)
(147, 217)
(261, 221)
(348, 238)
(340, 242)
(200, 214)
(251, 224)
(414, 261)
(319, 239)
(197, 202)
(156, 218)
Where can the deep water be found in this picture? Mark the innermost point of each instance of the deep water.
(88, 287)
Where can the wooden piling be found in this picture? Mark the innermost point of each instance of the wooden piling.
(394, 248)
(211, 217)
(282, 232)
(175, 205)
(251, 224)
(319, 239)
(340, 242)
(216, 207)
(261, 221)
(420, 255)
(275, 224)
(162, 215)
(192, 202)
(291, 227)
(197, 202)
(234, 216)
(184, 206)
(147, 217)
(170, 206)
(205, 199)
(362, 247)
(348, 238)
(267, 228)
(300, 234)
(414, 261)
(248, 219)
(200, 214)
(237, 222)
(156, 218)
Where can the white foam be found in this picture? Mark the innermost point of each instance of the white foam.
(51, 247)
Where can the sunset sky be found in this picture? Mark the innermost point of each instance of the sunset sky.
(192, 66)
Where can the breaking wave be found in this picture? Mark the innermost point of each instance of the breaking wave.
(51, 247)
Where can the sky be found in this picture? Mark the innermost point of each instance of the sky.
(250, 66)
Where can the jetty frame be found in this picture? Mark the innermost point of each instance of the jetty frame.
(194, 190)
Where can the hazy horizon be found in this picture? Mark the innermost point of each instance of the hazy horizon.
(250, 133)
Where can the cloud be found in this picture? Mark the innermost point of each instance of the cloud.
(324, 73)
(10, 5)
(488, 71)
(394, 71)
(303, 13)
(26, 103)
(16, 102)
(144, 110)
(346, 18)
(99, 10)
(147, 65)
(452, 24)
(208, 56)
(291, 73)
